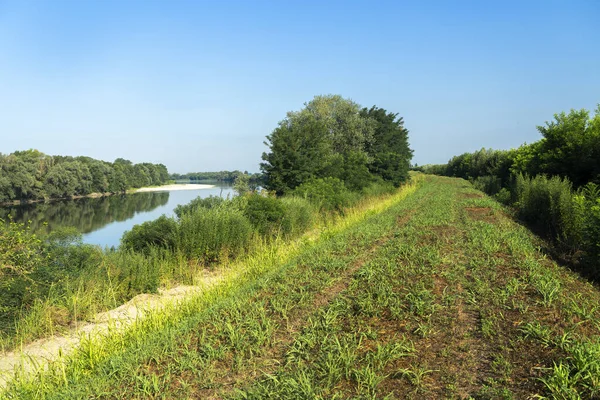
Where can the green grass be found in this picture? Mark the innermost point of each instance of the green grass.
(432, 293)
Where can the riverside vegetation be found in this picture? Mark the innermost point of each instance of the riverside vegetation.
(32, 175)
(345, 281)
(553, 185)
(432, 292)
(51, 281)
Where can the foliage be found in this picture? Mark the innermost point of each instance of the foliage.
(481, 163)
(32, 175)
(389, 150)
(161, 232)
(241, 185)
(571, 146)
(199, 202)
(548, 204)
(536, 179)
(35, 268)
(432, 169)
(329, 194)
(208, 234)
(333, 137)
(300, 150)
(222, 176)
(265, 213)
(588, 203)
(489, 184)
(299, 215)
(22, 253)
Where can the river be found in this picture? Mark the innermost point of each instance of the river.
(103, 220)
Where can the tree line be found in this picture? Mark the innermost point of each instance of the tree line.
(220, 176)
(33, 175)
(336, 139)
(553, 184)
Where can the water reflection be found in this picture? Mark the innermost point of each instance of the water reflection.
(88, 214)
(104, 220)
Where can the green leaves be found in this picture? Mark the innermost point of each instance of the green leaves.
(32, 175)
(333, 137)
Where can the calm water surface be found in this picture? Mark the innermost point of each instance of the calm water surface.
(103, 221)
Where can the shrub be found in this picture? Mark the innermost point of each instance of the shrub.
(503, 196)
(379, 188)
(549, 205)
(22, 252)
(137, 273)
(588, 201)
(264, 213)
(205, 234)
(299, 215)
(161, 232)
(199, 202)
(328, 194)
(488, 184)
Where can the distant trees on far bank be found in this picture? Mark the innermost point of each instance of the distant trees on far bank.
(33, 175)
(221, 176)
(333, 137)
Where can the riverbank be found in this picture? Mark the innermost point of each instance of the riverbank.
(174, 187)
(434, 293)
(60, 341)
(163, 188)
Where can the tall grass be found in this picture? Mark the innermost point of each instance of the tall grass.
(82, 280)
(299, 215)
(263, 256)
(548, 204)
(208, 234)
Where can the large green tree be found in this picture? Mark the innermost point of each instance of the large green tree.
(389, 150)
(300, 150)
(333, 137)
(570, 146)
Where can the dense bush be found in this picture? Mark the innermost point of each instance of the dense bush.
(504, 196)
(199, 202)
(488, 184)
(328, 194)
(299, 215)
(206, 234)
(265, 213)
(588, 202)
(161, 232)
(548, 204)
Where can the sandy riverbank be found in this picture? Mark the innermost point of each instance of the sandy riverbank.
(177, 186)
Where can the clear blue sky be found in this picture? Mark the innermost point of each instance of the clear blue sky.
(197, 85)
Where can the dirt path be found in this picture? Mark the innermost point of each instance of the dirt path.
(36, 355)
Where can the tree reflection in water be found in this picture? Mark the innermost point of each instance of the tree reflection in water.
(86, 214)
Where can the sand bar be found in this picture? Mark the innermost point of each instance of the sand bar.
(177, 186)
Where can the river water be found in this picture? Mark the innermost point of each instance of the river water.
(102, 221)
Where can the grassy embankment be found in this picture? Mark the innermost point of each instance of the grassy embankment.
(439, 294)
